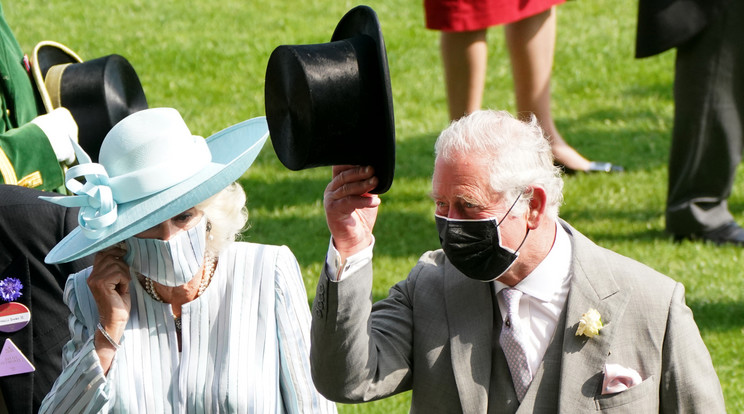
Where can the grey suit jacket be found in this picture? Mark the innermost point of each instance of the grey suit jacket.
(435, 333)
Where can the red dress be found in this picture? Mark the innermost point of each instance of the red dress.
(468, 15)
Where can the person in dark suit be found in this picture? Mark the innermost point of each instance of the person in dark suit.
(29, 228)
(518, 312)
(708, 132)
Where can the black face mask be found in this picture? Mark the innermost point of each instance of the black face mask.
(474, 247)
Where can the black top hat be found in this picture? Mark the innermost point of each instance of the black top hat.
(330, 103)
(98, 93)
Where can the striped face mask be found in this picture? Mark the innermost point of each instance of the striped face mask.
(171, 262)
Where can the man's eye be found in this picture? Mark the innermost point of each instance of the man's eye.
(470, 205)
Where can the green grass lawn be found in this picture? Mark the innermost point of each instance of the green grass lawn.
(208, 60)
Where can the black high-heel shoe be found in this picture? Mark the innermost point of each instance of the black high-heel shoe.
(594, 166)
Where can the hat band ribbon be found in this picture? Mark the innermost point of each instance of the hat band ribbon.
(53, 82)
(97, 198)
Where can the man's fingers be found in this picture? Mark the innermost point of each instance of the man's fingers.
(346, 174)
(352, 191)
(337, 169)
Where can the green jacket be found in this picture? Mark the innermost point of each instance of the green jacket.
(26, 156)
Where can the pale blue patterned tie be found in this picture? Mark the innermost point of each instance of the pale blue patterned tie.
(513, 343)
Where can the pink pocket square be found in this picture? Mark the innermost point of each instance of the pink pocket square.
(617, 378)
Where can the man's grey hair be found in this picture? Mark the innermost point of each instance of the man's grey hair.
(518, 154)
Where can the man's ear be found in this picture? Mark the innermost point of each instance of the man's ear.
(536, 211)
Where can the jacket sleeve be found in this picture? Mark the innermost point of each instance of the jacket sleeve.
(293, 323)
(26, 156)
(665, 24)
(27, 159)
(82, 386)
(689, 383)
(356, 357)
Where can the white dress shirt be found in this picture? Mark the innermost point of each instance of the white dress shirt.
(352, 264)
(544, 294)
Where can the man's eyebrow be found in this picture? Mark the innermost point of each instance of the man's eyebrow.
(470, 200)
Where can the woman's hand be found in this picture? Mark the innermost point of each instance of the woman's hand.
(109, 284)
(351, 211)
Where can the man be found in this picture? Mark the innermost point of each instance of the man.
(708, 132)
(462, 345)
(29, 228)
(33, 147)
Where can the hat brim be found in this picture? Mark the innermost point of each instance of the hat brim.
(244, 139)
(45, 55)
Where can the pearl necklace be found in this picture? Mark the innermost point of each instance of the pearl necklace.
(209, 267)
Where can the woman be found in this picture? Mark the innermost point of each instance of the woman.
(174, 316)
(530, 30)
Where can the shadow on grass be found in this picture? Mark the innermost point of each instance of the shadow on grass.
(718, 316)
(662, 91)
(577, 216)
(399, 234)
(640, 141)
(270, 185)
(630, 144)
(414, 156)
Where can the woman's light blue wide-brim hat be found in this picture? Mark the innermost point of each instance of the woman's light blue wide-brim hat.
(151, 169)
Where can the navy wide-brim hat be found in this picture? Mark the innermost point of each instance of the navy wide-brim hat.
(98, 93)
(331, 103)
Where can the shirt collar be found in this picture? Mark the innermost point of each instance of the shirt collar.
(549, 275)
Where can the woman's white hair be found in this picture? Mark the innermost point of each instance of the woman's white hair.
(519, 156)
(226, 217)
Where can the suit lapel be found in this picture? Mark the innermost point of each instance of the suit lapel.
(592, 286)
(469, 310)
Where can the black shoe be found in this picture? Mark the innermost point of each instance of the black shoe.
(730, 233)
(594, 166)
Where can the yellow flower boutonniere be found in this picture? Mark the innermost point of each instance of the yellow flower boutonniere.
(589, 324)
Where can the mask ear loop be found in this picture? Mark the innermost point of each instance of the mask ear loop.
(525, 238)
(509, 211)
(504, 218)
